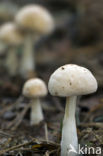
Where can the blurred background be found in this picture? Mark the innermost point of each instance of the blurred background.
(77, 38)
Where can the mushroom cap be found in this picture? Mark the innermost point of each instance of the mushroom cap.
(35, 18)
(10, 35)
(34, 88)
(72, 80)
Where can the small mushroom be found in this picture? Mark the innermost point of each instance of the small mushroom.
(35, 21)
(34, 89)
(71, 81)
(10, 35)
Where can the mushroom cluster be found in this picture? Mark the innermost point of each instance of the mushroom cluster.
(71, 81)
(30, 23)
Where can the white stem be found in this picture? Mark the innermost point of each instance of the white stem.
(27, 61)
(12, 61)
(69, 133)
(36, 112)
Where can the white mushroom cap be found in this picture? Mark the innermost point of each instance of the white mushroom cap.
(35, 18)
(10, 35)
(34, 88)
(70, 80)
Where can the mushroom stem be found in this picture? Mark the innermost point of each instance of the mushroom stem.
(69, 133)
(27, 61)
(12, 61)
(36, 112)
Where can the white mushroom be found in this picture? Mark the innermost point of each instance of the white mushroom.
(36, 21)
(70, 81)
(34, 89)
(10, 35)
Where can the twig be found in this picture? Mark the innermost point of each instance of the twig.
(46, 132)
(7, 108)
(21, 116)
(92, 124)
(10, 106)
(16, 122)
(5, 134)
(15, 147)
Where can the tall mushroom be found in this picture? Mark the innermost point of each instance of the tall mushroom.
(70, 81)
(10, 35)
(35, 21)
(34, 89)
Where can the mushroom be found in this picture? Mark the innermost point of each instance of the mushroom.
(71, 81)
(35, 21)
(34, 89)
(10, 35)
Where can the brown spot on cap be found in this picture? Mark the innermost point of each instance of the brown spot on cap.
(56, 93)
(70, 83)
(62, 68)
